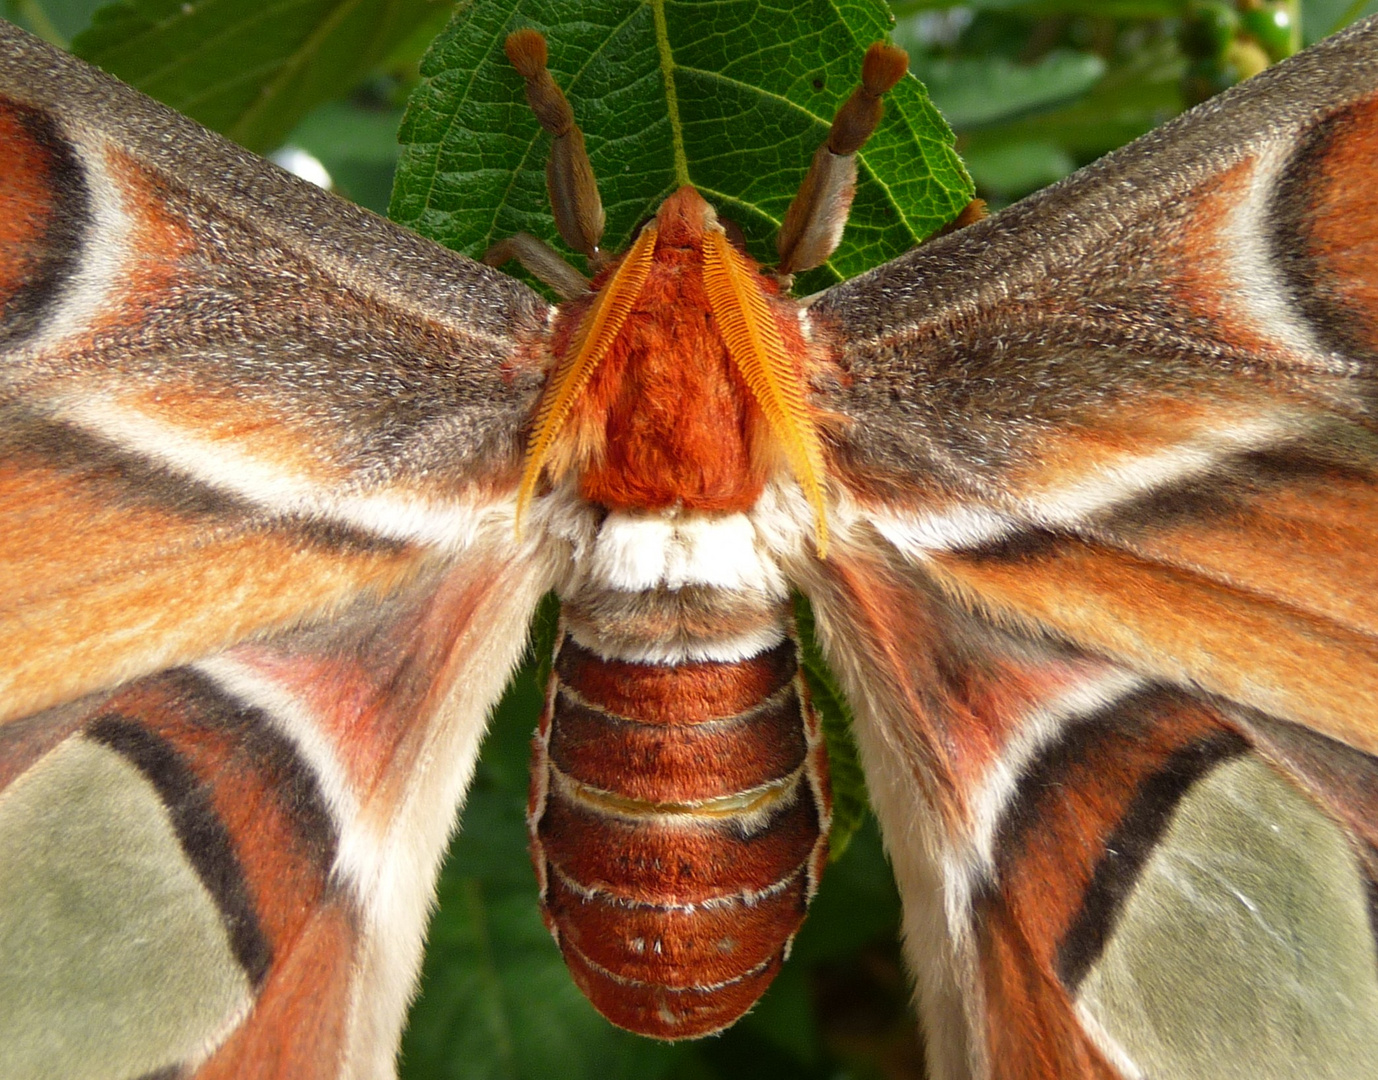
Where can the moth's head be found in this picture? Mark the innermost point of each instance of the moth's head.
(683, 218)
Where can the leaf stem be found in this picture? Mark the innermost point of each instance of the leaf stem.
(1350, 14)
(31, 14)
(667, 74)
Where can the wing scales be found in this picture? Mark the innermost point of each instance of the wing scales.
(1124, 430)
(1036, 798)
(1025, 397)
(302, 777)
(257, 485)
(232, 401)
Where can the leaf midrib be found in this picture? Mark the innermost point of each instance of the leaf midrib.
(667, 75)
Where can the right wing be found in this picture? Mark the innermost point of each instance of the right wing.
(1111, 474)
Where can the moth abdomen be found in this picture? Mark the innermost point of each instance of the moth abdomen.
(679, 820)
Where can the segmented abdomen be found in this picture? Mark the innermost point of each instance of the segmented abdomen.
(679, 816)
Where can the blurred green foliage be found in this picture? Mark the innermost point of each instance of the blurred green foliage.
(1033, 89)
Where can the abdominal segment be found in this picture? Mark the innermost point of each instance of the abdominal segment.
(679, 815)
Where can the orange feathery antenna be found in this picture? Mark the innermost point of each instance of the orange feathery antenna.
(758, 351)
(595, 336)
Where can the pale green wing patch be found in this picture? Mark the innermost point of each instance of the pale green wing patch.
(1245, 951)
(117, 962)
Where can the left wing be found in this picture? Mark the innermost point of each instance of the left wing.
(231, 401)
(258, 589)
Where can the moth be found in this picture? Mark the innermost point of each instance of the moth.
(1082, 495)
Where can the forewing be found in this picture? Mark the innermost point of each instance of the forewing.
(230, 400)
(1128, 421)
(1137, 408)
(259, 587)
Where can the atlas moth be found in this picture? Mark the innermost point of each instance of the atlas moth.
(1082, 495)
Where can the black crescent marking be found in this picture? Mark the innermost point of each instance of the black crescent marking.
(1128, 848)
(61, 244)
(203, 836)
(208, 844)
(1336, 324)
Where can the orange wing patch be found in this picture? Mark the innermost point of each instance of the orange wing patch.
(1341, 233)
(36, 209)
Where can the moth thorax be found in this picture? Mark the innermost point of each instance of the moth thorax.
(679, 801)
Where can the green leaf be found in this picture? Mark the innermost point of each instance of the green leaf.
(970, 92)
(53, 20)
(1321, 18)
(784, 1016)
(1026, 152)
(1007, 169)
(850, 804)
(857, 903)
(1110, 9)
(358, 147)
(545, 633)
(248, 69)
(668, 92)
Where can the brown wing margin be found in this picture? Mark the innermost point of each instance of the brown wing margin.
(1114, 286)
(1150, 428)
(1129, 418)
